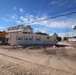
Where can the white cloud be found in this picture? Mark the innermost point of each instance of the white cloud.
(2, 27)
(14, 8)
(10, 18)
(55, 23)
(58, 2)
(70, 34)
(6, 20)
(14, 16)
(25, 20)
(21, 10)
(55, 2)
(18, 22)
(61, 22)
(44, 30)
(62, 34)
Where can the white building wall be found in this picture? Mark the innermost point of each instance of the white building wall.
(72, 39)
(23, 39)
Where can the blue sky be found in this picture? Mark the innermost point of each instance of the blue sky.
(14, 12)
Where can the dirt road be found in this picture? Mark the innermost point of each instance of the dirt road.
(33, 62)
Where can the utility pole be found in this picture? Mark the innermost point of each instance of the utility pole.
(74, 30)
(67, 32)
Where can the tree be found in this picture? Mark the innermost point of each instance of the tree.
(55, 34)
(65, 38)
(57, 37)
(74, 36)
(41, 33)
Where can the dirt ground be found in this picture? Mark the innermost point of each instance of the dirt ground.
(37, 61)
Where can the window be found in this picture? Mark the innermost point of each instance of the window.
(26, 38)
(18, 37)
(30, 38)
(24, 32)
(38, 38)
(48, 37)
(28, 32)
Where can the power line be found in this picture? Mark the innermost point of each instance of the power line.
(63, 10)
(54, 17)
(56, 13)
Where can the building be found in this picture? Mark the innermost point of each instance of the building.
(72, 39)
(20, 29)
(30, 39)
(2, 38)
(21, 35)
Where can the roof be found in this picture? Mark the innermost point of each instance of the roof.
(20, 26)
